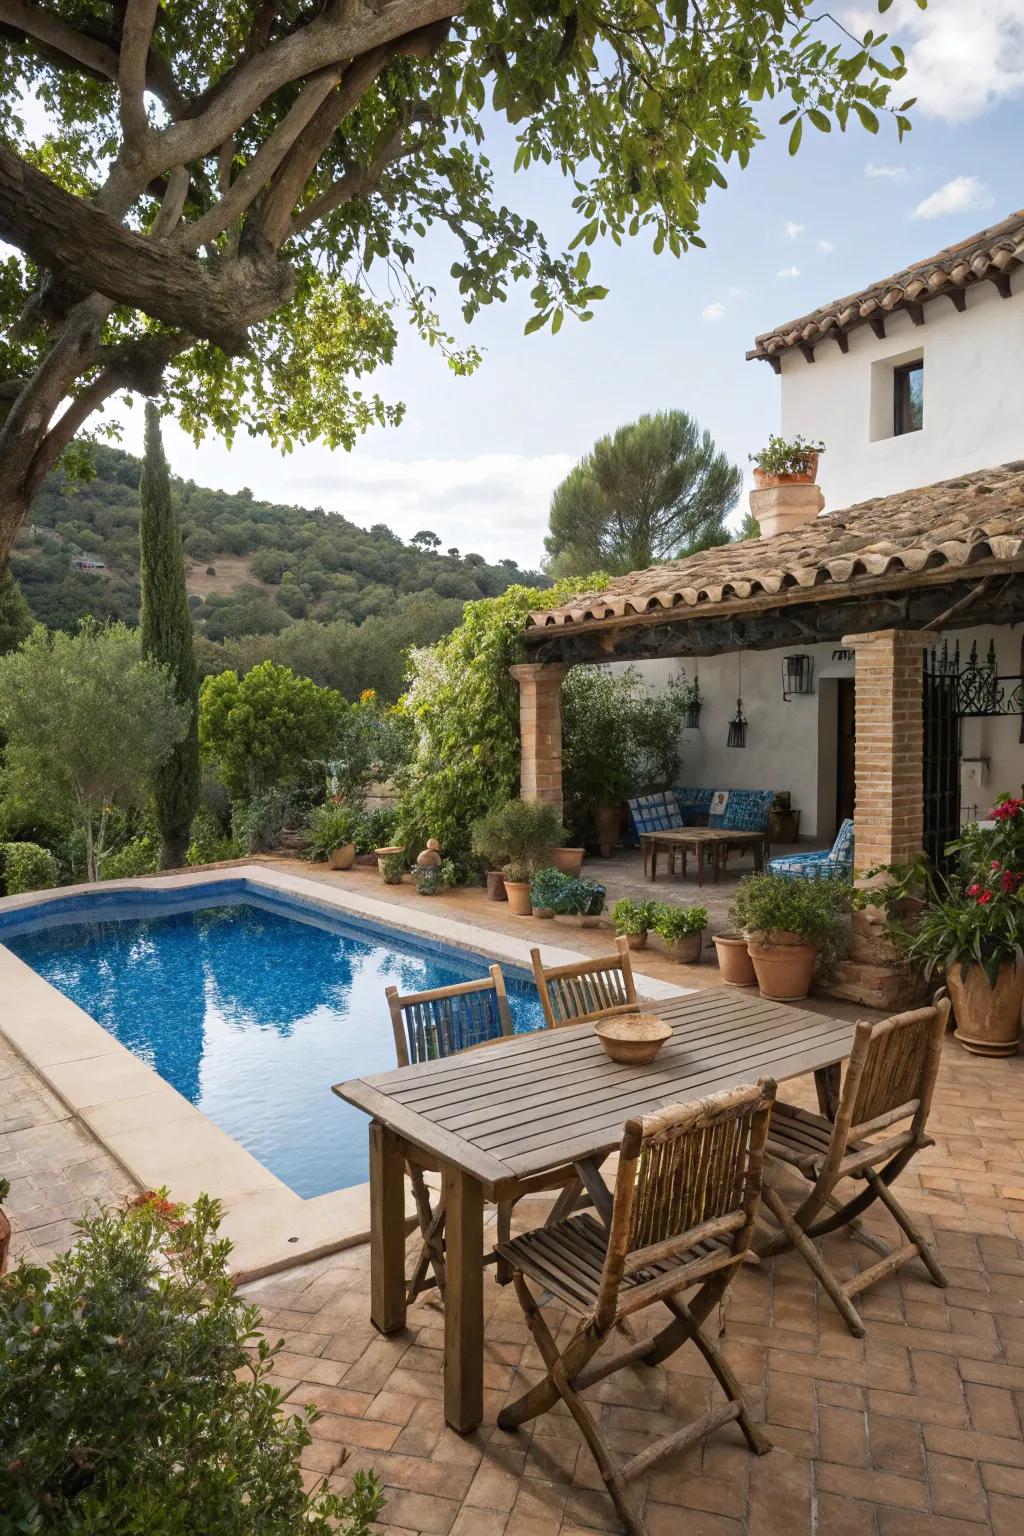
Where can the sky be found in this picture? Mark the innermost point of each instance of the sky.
(475, 460)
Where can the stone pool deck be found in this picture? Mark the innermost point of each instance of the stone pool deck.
(914, 1431)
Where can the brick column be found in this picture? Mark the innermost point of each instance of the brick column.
(888, 814)
(540, 730)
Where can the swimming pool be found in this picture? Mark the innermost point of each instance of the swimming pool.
(249, 1003)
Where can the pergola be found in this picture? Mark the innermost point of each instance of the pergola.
(882, 579)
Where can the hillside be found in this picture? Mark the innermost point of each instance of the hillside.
(300, 584)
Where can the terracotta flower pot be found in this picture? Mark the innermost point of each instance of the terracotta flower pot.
(637, 940)
(783, 971)
(734, 962)
(987, 1018)
(568, 860)
(686, 951)
(606, 823)
(382, 855)
(518, 893)
(342, 857)
(807, 476)
(496, 885)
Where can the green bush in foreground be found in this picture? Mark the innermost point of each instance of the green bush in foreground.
(129, 1404)
(27, 867)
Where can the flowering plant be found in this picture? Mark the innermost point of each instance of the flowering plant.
(979, 920)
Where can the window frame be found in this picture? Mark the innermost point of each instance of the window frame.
(901, 401)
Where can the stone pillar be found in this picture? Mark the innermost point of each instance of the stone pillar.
(780, 508)
(889, 813)
(540, 730)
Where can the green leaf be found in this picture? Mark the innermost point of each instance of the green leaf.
(796, 135)
(536, 322)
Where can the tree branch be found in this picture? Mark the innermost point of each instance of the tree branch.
(68, 46)
(136, 34)
(90, 248)
(391, 147)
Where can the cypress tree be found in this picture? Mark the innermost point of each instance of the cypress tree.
(166, 624)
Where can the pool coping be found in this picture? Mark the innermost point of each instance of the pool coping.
(156, 1135)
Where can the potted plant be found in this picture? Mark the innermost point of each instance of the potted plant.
(332, 832)
(692, 701)
(974, 932)
(547, 891)
(786, 461)
(634, 919)
(790, 924)
(427, 879)
(522, 836)
(584, 899)
(384, 855)
(734, 960)
(682, 929)
(391, 865)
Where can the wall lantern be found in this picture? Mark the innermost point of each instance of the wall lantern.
(691, 720)
(738, 724)
(797, 675)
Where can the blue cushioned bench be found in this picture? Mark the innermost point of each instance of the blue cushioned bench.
(835, 863)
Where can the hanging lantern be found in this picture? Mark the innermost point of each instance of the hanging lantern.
(738, 724)
(737, 727)
(797, 675)
(691, 720)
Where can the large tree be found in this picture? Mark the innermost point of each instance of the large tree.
(217, 179)
(166, 624)
(653, 490)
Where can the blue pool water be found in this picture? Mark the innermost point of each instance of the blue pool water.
(250, 1005)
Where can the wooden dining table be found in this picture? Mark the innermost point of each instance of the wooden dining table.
(497, 1122)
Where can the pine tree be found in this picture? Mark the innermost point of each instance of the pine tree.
(166, 624)
(15, 615)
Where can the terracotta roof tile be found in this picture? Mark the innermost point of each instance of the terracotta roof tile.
(989, 256)
(953, 523)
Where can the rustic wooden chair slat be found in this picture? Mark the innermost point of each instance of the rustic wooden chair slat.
(577, 994)
(686, 1198)
(889, 1082)
(428, 1026)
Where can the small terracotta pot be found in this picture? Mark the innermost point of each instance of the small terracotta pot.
(518, 893)
(783, 971)
(988, 1018)
(764, 481)
(606, 824)
(496, 885)
(734, 961)
(342, 857)
(686, 951)
(568, 860)
(637, 940)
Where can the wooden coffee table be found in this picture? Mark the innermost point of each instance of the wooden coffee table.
(684, 840)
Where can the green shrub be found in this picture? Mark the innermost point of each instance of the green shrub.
(139, 856)
(130, 1402)
(393, 868)
(376, 829)
(210, 843)
(672, 923)
(812, 909)
(519, 833)
(27, 867)
(548, 889)
(634, 917)
(257, 823)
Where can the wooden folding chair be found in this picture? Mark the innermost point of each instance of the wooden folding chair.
(890, 1078)
(593, 989)
(685, 1204)
(427, 1027)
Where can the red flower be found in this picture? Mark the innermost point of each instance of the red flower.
(984, 898)
(995, 864)
(1011, 881)
(972, 890)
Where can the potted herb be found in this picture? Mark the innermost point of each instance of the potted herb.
(974, 932)
(521, 836)
(333, 830)
(634, 919)
(682, 929)
(786, 461)
(790, 924)
(391, 864)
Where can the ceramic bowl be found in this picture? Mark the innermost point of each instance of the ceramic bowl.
(634, 1038)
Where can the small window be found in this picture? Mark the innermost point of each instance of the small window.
(908, 397)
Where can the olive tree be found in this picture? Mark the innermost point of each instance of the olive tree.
(216, 179)
(87, 719)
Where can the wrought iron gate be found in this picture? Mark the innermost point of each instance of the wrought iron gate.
(943, 736)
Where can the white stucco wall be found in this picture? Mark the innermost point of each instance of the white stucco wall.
(973, 417)
(792, 746)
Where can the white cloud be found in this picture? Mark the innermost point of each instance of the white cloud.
(963, 56)
(713, 311)
(890, 172)
(736, 293)
(956, 196)
(788, 272)
(826, 247)
(792, 230)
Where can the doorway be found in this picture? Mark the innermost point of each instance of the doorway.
(846, 749)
